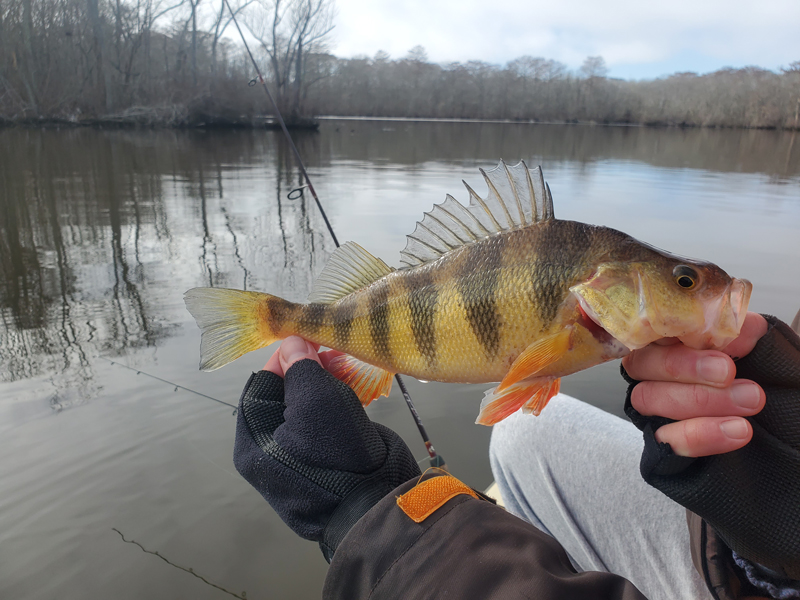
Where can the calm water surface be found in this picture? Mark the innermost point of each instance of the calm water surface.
(101, 232)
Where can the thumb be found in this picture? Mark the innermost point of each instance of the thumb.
(294, 349)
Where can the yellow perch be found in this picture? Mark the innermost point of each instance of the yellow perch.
(499, 290)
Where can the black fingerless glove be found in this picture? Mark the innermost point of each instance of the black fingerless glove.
(751, 497)
(309, 448)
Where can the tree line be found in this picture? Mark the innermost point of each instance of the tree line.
(170, 62)
(531, 88)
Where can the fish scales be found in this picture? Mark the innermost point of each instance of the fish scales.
(422, 299)
(472, 294)
(564, 252)
(478, 296)
(496, 291)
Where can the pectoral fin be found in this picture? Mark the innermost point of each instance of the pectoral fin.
(531, 396)
(366, 380)
(536, 357)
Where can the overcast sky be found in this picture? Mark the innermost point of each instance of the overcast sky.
(638, 39)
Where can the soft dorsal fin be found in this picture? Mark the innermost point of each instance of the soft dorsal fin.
(349, 268)
(517, 197)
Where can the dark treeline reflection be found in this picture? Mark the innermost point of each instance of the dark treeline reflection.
(773, 153)
(101, 232)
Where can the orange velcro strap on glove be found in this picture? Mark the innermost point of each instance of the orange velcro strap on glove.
(424, 499)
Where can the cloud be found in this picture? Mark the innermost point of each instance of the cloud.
(624, 32)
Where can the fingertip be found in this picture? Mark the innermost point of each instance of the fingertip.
(738, 431)
(294, 349)
(715, 368)
(706, 436)
(274, 363)
(753, 329)
(747, 395)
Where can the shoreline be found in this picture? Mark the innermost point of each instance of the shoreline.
(149, 121)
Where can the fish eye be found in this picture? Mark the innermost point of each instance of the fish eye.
(685, 276)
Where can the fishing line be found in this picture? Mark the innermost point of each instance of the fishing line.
(172, 564)
(436, 459)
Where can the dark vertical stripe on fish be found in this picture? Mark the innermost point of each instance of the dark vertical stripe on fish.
(379, 326)
(423, 296)
(561, 257)
(477, 284)
(312, 318)
(342, 318)
(278, 311)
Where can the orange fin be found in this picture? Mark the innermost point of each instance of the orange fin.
(532, 396)
(366, 380)
(536, 357)
(542, 396)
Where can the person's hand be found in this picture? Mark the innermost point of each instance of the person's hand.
(744, 485)
(304, 441)
(294, 349)
(698, 389)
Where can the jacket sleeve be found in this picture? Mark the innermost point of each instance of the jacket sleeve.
(466, 548)
(750, 497)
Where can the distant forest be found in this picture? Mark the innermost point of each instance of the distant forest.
(172, 62)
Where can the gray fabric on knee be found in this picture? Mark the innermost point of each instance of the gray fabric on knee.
(574, 473)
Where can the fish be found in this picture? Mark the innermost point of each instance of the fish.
(498, 290)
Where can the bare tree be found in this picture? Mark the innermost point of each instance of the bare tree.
(594, 67)
(194, 4)
(417, 54)
(221, 23)
(286, 30)
(537, 68)
(792, 72)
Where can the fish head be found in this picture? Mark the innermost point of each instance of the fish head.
(640, 301)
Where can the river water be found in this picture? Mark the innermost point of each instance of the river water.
(103, 231)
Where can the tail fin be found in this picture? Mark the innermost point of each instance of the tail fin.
(231, 321)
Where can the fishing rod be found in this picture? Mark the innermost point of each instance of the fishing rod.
(435, 459)
(177, 386)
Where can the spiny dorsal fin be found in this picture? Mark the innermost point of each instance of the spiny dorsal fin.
(517, 197)
(349, 268)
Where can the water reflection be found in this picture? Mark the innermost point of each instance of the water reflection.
(98, 228)
(774, 153)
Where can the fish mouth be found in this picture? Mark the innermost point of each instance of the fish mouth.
(722, 320)
(724, 317)
(739, 298)
(589, 319)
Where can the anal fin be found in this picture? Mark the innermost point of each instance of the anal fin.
(542, 396)
(531, 396)
(366, 380)
(536, 357)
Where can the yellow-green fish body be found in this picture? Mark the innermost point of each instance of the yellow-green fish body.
(497, 291)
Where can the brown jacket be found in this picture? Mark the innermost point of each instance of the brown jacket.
(470, 548)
